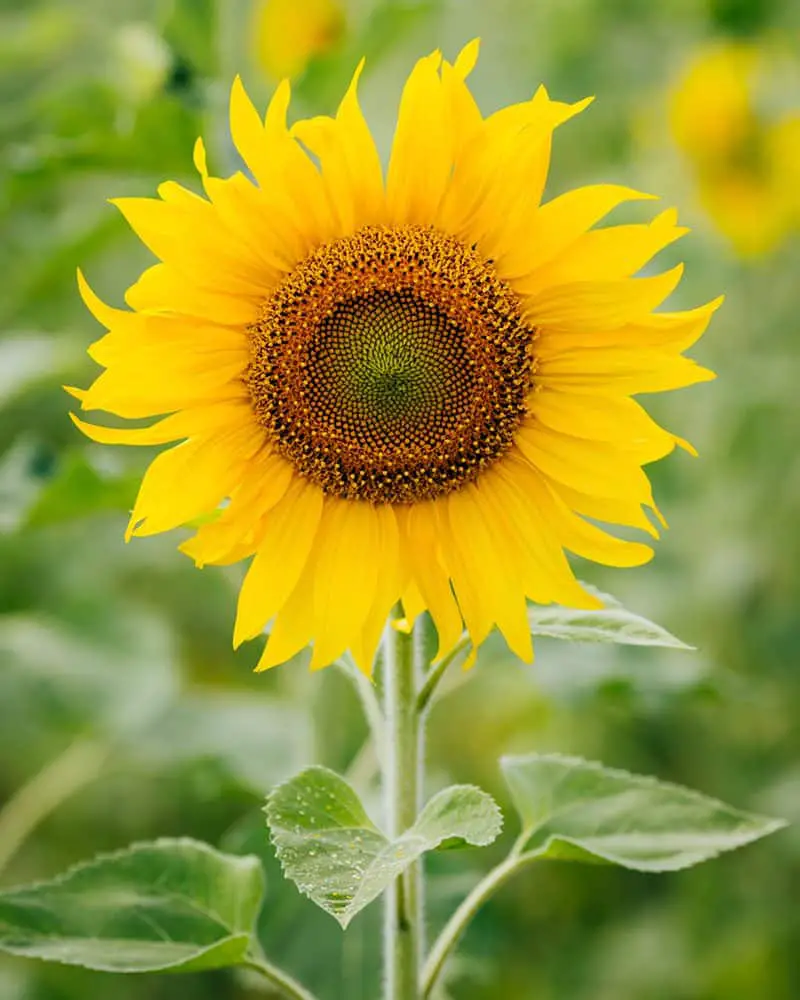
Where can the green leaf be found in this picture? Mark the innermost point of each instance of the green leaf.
(611, 623)
(174, 905)
(573, 809)
(337, 856)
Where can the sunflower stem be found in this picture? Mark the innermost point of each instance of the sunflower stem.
(402, 783)
(437, 672)
(463, 916)
(284, 984)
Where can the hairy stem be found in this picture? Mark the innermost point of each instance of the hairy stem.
(402, 776)
(458, 923)
(285, 984)
(437, 672)
(76, 767)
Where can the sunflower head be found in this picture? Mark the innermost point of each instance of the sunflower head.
(288, 34)
(415, 386)
(745, 161)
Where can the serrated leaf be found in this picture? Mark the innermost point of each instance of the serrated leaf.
(174, 905)
(611, 623)
(337, 856)
(459, 816)
(574, 809)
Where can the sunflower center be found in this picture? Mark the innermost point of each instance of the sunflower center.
(391, 365)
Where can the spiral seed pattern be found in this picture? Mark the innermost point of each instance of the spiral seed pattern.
(391, 366)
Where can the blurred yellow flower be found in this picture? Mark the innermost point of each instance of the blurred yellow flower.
(746, 164)
(417, 387)
(289, 33)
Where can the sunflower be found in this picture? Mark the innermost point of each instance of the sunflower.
(288, 34)
(416, 389)
(745, 161)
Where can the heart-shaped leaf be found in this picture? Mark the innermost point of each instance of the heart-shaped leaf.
(336, 855)
(174, 905)
(611, 623)
(574, 809)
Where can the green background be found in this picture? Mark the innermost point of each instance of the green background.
(127, 650)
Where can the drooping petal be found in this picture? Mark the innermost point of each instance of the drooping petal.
(191, 479)
(389, 584)
(282, 556)
(537, 551)
(346, 578)
(238, 530)
(582, 538)
(421, 542)
(494, 594)
(589, 466)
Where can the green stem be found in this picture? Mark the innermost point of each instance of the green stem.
(437, 672)
(281, 980)
(402, 776)
(76, 767)
(365, 689)
(461, 919)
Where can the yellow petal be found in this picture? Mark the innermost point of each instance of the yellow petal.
(420, 539)
(617, 419)
(146, 337)
(199, 420)
(161, 288)
(422, 149)
(106, 315)
(192, 478)
(286, 176)
(269, 231)
(350, 164)
(192, 238)
(485, 578)
(511, 191)
(619, 371)
(389, 585)
(555, 227)
(239, 529)
(143, 391)
(599, 305)
(606, 254)
(588, 466)
(283, 554)
(610, 510)
(535, 548)
(661, 331)
(346, 576)
(293, 628)
(585, 539)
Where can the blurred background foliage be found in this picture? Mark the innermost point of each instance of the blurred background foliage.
(124, 714)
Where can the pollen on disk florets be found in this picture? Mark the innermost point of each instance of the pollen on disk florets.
(391, 366)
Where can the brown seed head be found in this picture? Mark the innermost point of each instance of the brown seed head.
(391, 366)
